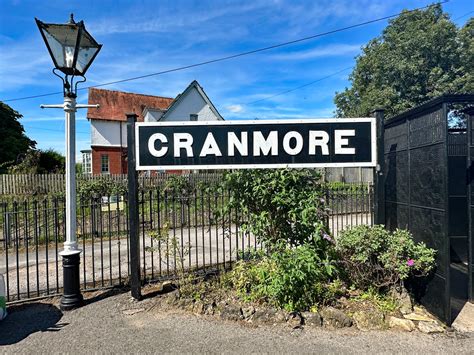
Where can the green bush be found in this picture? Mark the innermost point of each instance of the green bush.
(101, 187)
(375, 257)
(292, 278)
(284, 207)
(179, 185)
(286, 211)
(337, 186)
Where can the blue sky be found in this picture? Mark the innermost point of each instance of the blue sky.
(141, 37)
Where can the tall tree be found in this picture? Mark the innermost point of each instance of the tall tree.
(418, 56)
(13, 141)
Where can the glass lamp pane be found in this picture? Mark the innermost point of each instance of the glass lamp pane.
(85, 56)
(56, 49)
(62, 41)
(88, 49)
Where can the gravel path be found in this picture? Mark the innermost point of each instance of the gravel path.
(115, 324)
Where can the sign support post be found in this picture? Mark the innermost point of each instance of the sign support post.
(379, 208)
(135, 282)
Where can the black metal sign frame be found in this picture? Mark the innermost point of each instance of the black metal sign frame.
(310, 143)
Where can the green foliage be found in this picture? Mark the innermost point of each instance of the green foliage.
(40, 162)
(285, 207)
(179, 185)
(174, 254)
(14, 142)
(375, 257)
(51, 161)
(420, 55)
(286, 211)
(79, 169)
(346, 187)
(384, 303)
(183, 186)
(101, 187)
(26, 164)
(292, 278)
(465, 76)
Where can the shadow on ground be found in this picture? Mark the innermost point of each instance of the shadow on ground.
(101, 295)
(23, 320)
(29, 318)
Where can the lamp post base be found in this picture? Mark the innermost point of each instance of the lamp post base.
(72, 297)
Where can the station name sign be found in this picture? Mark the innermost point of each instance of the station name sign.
(331, 142)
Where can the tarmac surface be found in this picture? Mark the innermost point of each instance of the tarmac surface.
(113, 323)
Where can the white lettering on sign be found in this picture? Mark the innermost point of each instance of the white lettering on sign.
(340, 141)
(298, 146)
(151, 145)
(293, 143)
(234, 142)
(183, 141)
(260, 144)
(210, 147)
(318, 139)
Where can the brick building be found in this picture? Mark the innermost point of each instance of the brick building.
(108, 153)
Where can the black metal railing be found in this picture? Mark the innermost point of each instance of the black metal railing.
(179, 232)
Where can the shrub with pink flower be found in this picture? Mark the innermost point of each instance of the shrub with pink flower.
(376, 257)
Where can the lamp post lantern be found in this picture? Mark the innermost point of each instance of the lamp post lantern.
(72, 50)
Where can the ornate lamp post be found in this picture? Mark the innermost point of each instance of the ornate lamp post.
(72, 49)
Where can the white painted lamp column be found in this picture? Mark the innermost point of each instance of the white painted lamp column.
(72, 50)
(72, 296)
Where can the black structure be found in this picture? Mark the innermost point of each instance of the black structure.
(379, 202)
(72, 297)
(428, 173)
(133, 206)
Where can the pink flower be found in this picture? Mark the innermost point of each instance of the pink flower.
(410, 262)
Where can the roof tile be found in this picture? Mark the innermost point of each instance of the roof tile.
(115, 104)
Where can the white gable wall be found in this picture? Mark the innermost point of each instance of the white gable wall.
(192, 102)
(152, 115)
(107, 133)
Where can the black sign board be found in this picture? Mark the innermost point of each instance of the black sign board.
(333, 142)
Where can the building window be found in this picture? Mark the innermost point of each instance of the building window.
(86, 163)
(104, 164)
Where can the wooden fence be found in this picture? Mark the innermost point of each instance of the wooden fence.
(15, 185)
(55, 183)
(349, 174)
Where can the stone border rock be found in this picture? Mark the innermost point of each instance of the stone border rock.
(328, 317)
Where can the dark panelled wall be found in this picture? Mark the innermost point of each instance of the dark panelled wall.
(416, 164)
(471, 203)
(458, 225)
(429, 188)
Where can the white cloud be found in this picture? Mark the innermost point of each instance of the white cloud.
(332, 50)
(235, 108)
(158, 19)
